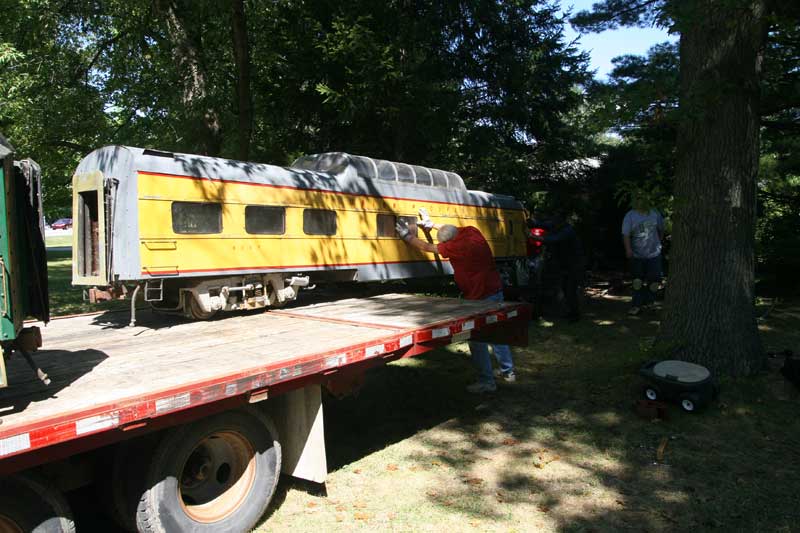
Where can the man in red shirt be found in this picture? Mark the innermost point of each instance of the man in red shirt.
(477, 276)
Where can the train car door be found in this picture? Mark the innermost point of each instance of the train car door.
(89, 234)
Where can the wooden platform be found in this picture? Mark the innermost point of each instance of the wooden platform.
(104, 372)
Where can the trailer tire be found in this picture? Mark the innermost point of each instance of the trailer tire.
(215, 474)
(34, 507)
(121, 488)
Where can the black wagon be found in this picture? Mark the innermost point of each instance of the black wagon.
(689, 384)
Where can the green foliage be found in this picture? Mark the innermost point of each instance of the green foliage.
(778, 228)
(640, 104)
(488, 89)
(611, 14)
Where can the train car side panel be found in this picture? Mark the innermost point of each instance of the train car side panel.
(357, 240)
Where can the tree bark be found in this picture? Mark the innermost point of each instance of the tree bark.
(710, 302)
(241, 54)
(187, 57)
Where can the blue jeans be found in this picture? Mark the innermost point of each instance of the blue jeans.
(480, 353)
(648, 272)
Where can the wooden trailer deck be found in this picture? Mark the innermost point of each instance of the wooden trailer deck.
(106, 375)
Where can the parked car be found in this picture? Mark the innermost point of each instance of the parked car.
(62, 223)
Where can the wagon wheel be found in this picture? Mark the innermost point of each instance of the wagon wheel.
(690, 403)
(651, 393)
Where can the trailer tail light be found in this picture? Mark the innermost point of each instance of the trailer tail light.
(535, 246)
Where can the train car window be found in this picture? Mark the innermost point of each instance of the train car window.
(454, 181)
(365, 167)
(423, 175)
(386, 225)
(196, 217)
(333, 162)
(439, 178)
(319, 222)
(387, 171)
(265, 220)
(404, 173)
(412, 225)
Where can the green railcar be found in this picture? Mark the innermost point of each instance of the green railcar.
(23, 259)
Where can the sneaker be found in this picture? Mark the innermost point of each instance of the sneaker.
(508, 377)
(481, 388)
(633, 311)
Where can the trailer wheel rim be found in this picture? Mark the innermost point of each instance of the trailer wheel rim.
(688, 405)
(7, 525)
(651, 394)
(217, 477)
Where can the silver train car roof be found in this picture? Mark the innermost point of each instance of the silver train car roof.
(334, 172)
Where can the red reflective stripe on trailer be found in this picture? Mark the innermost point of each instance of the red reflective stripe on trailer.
(133, 411)
(452, 329)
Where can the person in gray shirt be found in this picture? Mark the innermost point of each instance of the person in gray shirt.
(642, 232)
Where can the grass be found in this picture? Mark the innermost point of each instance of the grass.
(561, 450)
(64, 298)
(58, 240)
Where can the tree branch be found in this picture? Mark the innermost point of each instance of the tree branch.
(609, 17)
(80, 72)
(69, 144)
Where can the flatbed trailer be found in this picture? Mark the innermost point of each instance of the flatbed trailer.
(153, 412)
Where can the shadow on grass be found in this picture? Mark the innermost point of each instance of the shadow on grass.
(564, 450)
(65, 299)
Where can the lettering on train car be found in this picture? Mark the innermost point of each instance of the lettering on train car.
(198, 235)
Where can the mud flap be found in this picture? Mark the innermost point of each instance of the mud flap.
(298, 418)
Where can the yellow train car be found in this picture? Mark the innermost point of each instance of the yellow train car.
(202, 234)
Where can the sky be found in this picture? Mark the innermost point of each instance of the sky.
(605, 46)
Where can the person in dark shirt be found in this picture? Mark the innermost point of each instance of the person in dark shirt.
(566, 251)
(476, 275)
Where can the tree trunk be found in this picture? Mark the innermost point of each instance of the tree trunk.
(186, 53)
(710, 312)
(241, 54)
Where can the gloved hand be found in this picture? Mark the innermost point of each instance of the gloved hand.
(402, 229)
(425, 219)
